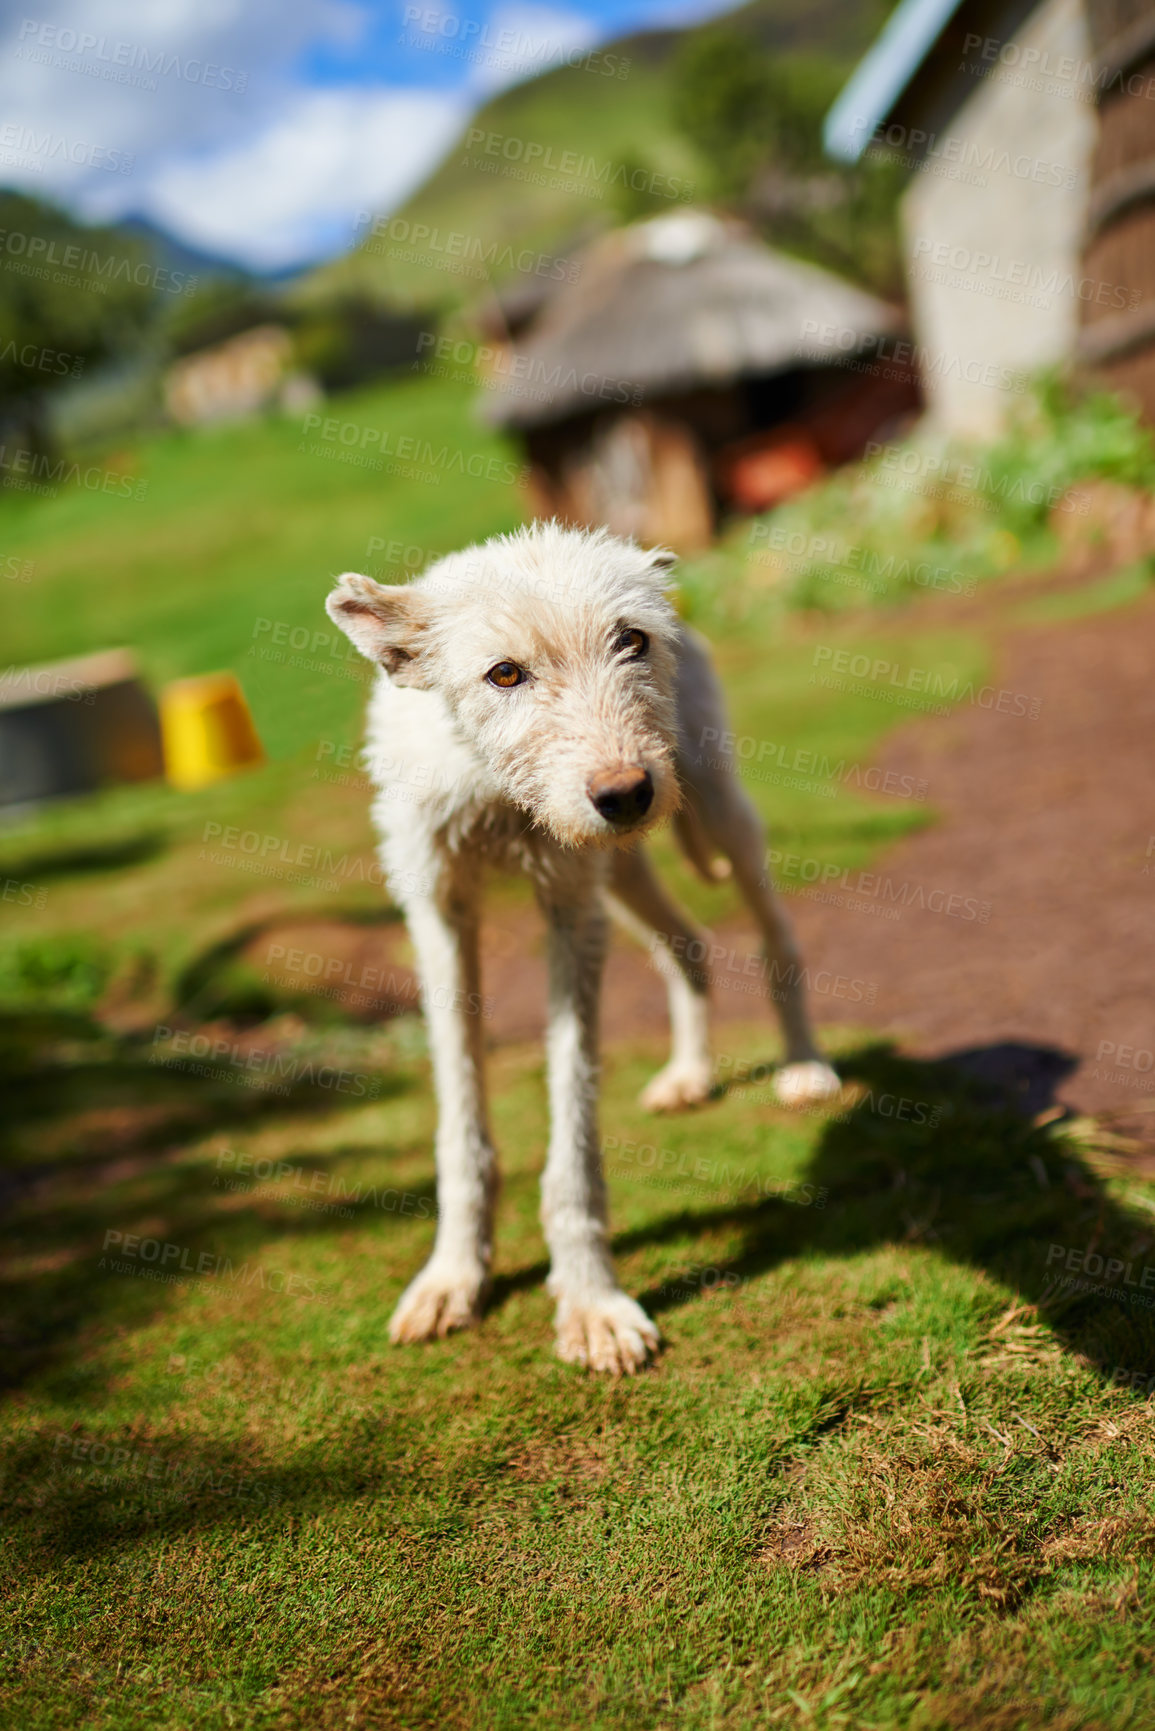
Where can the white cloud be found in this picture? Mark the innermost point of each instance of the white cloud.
(75, 91)
(277, 198)
(268, 168)
(83, 69)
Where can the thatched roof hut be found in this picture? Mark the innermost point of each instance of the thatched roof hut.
(683, 340)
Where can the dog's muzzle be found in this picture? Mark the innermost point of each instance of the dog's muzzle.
(624, 798)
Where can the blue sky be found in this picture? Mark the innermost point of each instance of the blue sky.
(258, 129)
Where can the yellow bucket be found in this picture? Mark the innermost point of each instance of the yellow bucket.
(207, 730)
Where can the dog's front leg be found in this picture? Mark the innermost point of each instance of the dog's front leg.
(448, 1292)
(597, 1324)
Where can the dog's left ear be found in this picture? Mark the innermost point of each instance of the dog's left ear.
(385, 624)
(661, 559)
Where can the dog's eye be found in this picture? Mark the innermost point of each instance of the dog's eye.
(632, 644)
(505, 675)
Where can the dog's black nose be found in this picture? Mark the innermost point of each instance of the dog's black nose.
(623, 798)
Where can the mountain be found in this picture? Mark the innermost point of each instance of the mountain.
(176, 255)
(549, 162)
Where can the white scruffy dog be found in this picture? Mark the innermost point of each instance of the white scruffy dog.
(541, 706)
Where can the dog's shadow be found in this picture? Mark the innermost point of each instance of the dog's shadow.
(951, 1154)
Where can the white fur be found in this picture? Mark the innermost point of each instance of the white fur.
(467, 772)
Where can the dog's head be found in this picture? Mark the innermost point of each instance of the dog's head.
(555, 650)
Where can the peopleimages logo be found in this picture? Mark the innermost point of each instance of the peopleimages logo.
(278, 1174)
(38, 256)
(515, 374)
(1035, 64)
(40, 472)
(799, 762)
(118, 62)
(24, 683)
(179, 1048)
(789, 870)
(482, 44)
(671, 1166)
(154, 1258)
(982, 157)
(1087, 1271)
(1022, 273)
(1125, 1066)
(23, 141)
(370, 447)
(538, 164)
(33, 358)
(828, 555)
(455, 250)
(102, 1461)
(941, 681)
(27, 895)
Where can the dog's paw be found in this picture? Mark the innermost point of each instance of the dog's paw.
(798, 1084)
(610, 1333)
(678, 1085)
(436, 1303)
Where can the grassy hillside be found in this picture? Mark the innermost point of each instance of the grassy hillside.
(610, 122)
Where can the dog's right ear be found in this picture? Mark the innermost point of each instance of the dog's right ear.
(385, 624)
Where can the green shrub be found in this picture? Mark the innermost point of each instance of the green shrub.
(881, 533)
(66, 971)
(1059, 437)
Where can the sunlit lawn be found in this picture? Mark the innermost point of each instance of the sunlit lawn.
(869, 1483)
(886, 1472)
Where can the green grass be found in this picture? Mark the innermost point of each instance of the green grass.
(1117, 590)
(886, 1473)
(877, 1479)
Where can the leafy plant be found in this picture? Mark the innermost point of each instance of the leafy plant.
(1058, 437)
(918, 519)
(60, 971)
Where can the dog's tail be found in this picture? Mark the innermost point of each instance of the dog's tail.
(695, 844)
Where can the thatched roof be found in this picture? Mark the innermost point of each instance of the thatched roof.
(674, 304)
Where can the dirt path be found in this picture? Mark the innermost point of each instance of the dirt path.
(1050, 821)
(1025, 914)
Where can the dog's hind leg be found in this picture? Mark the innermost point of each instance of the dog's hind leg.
(733, 825)
(597, 1324)
(717, 803)
(448, 1292)
(678, 948)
